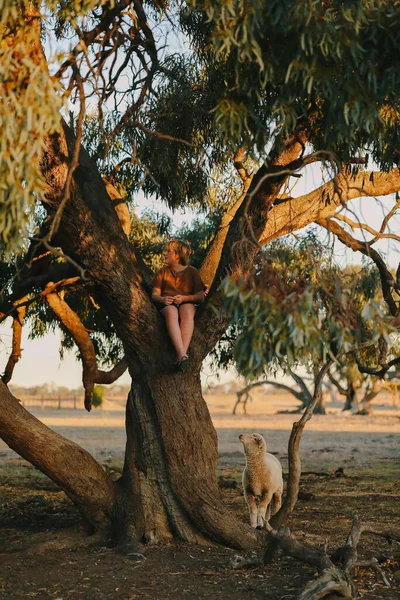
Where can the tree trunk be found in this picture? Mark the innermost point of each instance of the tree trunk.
(169, 478)
(168, 488)
(320, 408)
(351, 396)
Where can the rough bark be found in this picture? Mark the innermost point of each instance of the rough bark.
(324, 201)
(66, 463)
(169, 486)
(170, 464)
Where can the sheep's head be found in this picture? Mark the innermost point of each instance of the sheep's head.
(253, 443)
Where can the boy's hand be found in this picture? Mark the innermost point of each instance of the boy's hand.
(179, 299)
(168, 300)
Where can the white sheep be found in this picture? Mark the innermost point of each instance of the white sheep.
(262, 479)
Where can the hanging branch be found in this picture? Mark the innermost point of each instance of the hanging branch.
(34, 297)
(91, 374)
(16, 342)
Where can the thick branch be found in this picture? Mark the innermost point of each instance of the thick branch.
(91, 232)
(325, 200)
(241, 242)
(210, 263)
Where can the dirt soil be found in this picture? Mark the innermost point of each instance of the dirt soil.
(350, 466)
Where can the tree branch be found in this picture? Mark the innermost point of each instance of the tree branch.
(282, 386)
(89, 37)
(91, 374)
(378, 372)
(86, 483)
(49, 288)
(293, 484)
(378, 235)
(16, 343)
(325, 200)
(387, 281)
(234, 251)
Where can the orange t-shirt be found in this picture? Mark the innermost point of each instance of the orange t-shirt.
(173, 283)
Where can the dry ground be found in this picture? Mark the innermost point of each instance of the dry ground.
(41, 549)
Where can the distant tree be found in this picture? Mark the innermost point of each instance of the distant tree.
(301, 393)
(98, 396)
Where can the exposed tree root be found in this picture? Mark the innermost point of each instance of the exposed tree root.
(335, 580)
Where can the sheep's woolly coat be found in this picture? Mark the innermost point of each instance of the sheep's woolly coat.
(262, 479)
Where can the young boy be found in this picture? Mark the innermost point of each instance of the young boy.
(178, 290)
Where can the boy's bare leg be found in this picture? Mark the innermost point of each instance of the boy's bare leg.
(186, 314)
(171, 316)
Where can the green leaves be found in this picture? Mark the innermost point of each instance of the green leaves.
(331, 65)
(299, 307)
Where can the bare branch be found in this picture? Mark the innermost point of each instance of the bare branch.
(90, 37)
(292, 491)
(16, 343)
(91, 374)
(387, 281)
(245, 391)
(366, 227)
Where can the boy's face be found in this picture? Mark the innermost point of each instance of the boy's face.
(170, 257)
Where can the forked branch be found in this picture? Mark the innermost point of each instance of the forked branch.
(387, 281)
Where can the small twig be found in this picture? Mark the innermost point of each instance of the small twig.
(373, 564)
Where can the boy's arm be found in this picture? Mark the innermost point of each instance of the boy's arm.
(197, 298)
(156, 297)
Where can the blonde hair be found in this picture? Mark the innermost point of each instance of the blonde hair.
(182, 249)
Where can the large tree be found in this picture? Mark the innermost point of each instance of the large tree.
(207, 104)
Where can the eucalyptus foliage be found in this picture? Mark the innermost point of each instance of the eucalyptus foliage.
(330, 67)
(299, 307)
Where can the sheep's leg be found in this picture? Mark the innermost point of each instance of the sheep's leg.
(264, 509)
(276, 501)
(251, 503)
